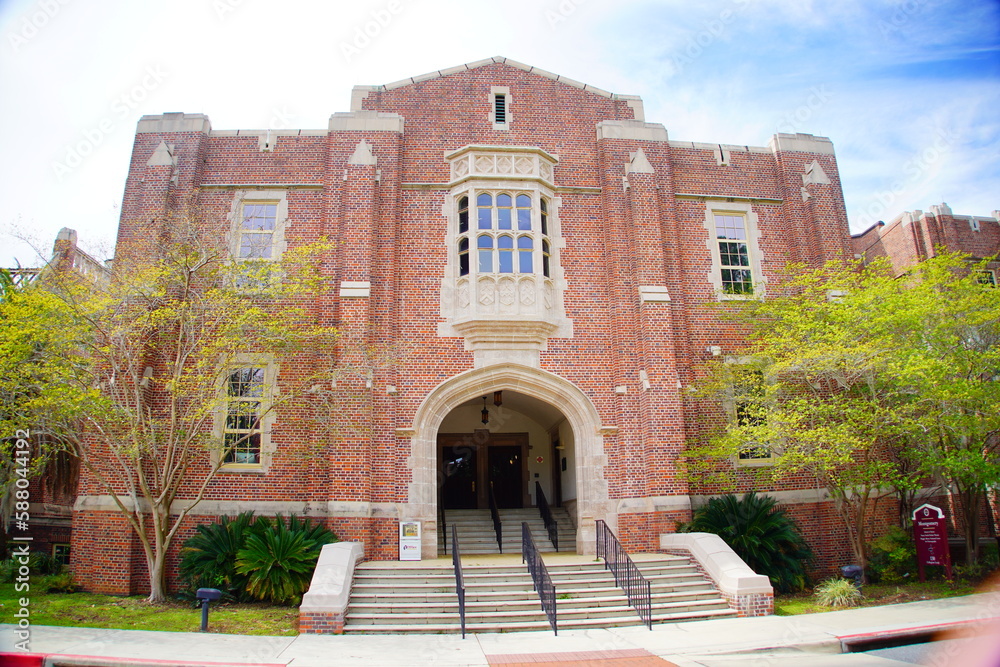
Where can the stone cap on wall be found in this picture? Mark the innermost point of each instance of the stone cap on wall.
(728, 571)
(174, 122)
(330, 588)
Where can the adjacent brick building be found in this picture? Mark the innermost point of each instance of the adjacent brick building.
(530, 246)
(914, 236)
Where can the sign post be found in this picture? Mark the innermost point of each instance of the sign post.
(930, 535)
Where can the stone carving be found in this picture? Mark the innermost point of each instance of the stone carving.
(487, 292)
(463, 294)
(484, 164)
(507, 292)
(524, 165)
(461, 168)
(504, 165)
(528, 292)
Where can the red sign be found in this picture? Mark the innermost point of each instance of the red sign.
(930, 535)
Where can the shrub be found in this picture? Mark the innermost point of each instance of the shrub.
(39, 562)
(58, 583)
(760, 533)
(837, 593)
(892, 557)
(208, 558)
(278, 564)
(249, 557)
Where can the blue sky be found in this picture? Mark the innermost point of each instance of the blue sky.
(908, 91)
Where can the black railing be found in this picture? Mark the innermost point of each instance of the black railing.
(539, 575)
(444, 524)
(456, 562)
(495, 515)
(627, 575)
(550, 523)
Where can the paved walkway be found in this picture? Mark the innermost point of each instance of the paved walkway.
(774, 641)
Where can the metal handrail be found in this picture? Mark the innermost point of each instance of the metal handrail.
(456, 562)
(539, 575)
(627, 575)
(550, 522)
(495, 515)
(444, 524)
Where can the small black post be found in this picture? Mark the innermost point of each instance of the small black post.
(206, 595)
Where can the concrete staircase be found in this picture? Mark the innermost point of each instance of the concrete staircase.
(394, 597)
(476, 534)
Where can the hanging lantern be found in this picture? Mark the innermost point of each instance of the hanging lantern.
(498, 398)
(485, 413)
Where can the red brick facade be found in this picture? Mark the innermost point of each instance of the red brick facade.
(592, 351)
(917, 235)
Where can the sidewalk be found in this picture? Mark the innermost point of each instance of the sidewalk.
(811, 639)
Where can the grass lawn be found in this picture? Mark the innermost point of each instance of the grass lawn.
(85, 610)
(875, 595)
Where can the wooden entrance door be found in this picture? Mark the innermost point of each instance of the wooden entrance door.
(468, 465)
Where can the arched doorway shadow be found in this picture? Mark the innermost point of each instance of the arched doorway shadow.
(578, 410)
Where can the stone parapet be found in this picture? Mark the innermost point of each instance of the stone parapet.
(748, 593)
(325, 604)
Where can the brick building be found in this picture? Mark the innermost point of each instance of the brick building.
(914, 236)
(539, 251)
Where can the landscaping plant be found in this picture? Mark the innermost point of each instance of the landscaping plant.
(254, 558)
(838, 592)
(761, 533)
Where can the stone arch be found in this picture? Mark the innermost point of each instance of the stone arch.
(579, 411)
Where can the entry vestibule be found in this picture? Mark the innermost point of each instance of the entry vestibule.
(469, 465)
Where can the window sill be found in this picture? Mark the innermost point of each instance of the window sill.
(243, 469)
(756, 463)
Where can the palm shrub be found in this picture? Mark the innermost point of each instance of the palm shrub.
(208, 558)
(279, 562)
(761, 533)
(248, 557)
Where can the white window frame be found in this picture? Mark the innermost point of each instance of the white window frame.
(254, 197)
(473, 234)
(731, 407)
(750, 221)
(266, 421)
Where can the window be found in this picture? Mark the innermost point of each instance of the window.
(509, 229)
(734, 254)
(504, 244)
(987, 277)
(258, 220)
(244, 408)
(257, 230)
(733, 244)
(747, 409)
(60, 553)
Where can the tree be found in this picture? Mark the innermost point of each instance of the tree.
(140, 384)
(34, 372)
(949, 329)
(866, 382)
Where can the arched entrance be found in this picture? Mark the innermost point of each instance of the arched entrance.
(531, 397)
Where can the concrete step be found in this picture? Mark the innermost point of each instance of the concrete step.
(521, 613)
(500, 598)
(610, 601)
